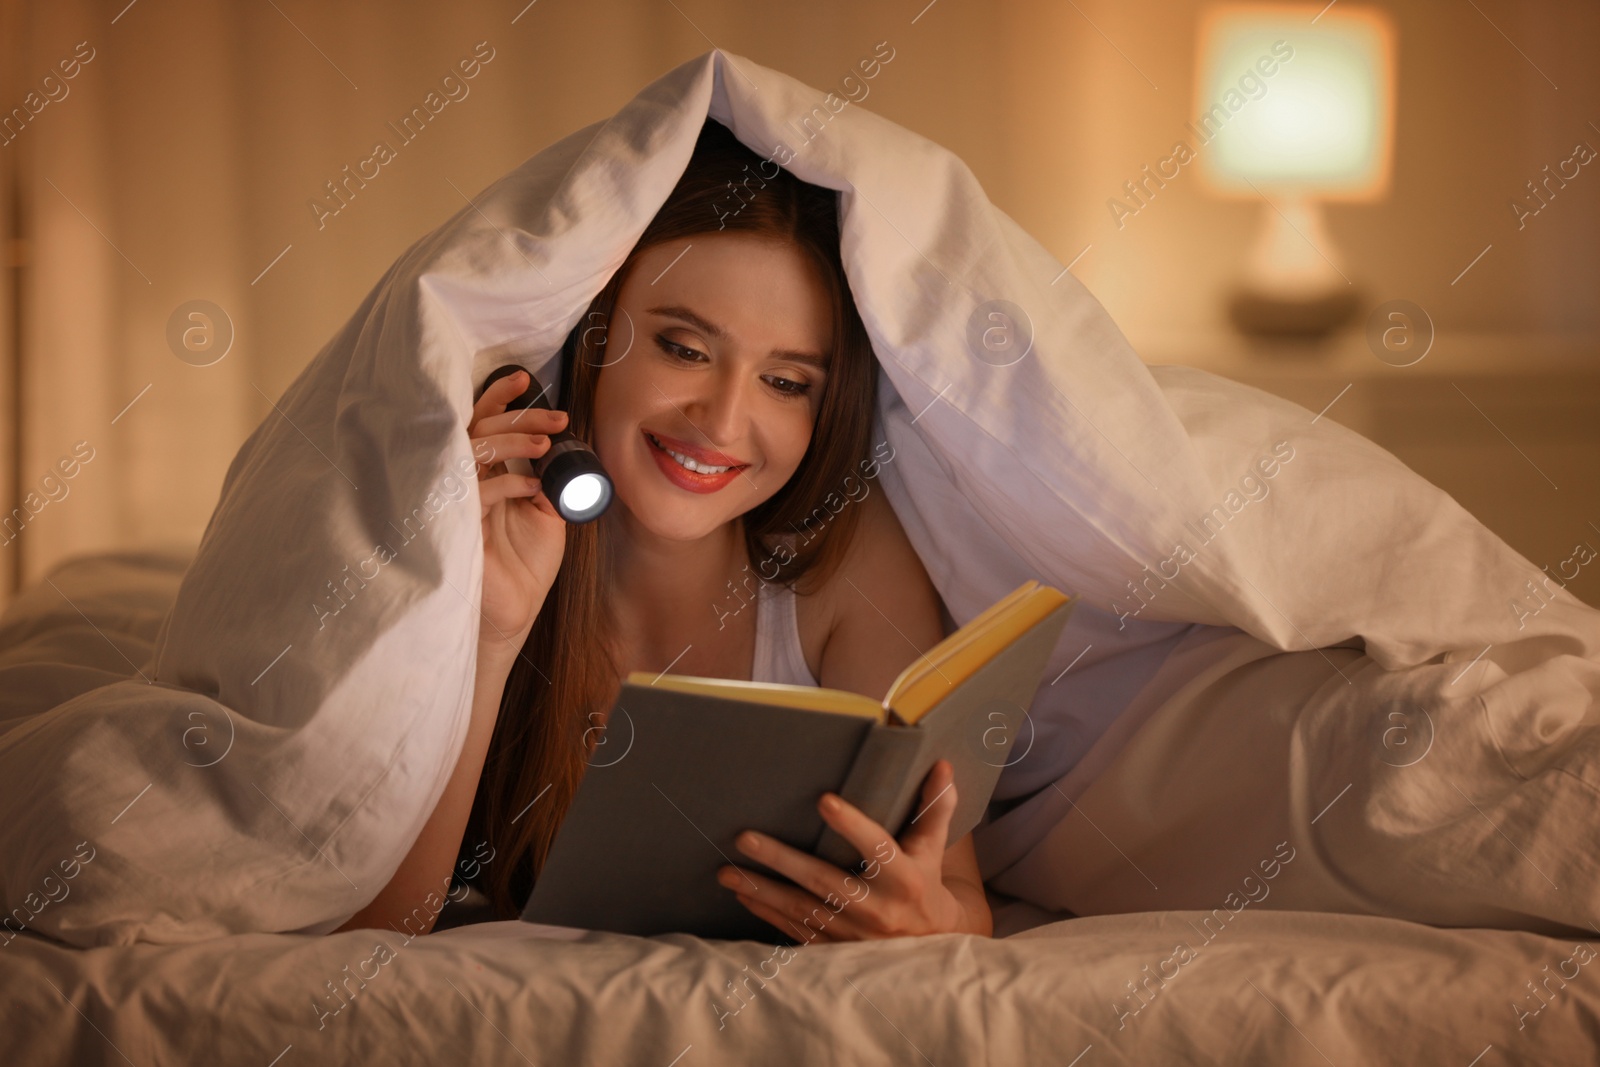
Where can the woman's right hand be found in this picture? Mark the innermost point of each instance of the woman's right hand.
(524, 537)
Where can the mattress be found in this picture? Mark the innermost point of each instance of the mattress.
(1237, 983)
(1277, 987)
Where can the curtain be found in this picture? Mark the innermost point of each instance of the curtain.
(215, 153)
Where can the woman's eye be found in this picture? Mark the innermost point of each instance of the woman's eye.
(676, 350)
(790, 388)
(787, 387)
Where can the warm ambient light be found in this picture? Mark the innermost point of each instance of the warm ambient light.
(1297, 101)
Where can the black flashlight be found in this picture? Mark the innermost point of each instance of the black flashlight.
(569, 473)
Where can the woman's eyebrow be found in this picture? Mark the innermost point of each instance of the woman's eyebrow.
(712, 330)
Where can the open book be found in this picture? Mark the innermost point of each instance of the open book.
(689, 762)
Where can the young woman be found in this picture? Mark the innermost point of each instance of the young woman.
(726, 381)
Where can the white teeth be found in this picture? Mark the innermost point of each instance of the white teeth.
(685, 461)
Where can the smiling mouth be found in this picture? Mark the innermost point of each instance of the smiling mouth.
(688, 463)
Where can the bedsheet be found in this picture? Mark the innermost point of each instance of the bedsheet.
(1280, 987)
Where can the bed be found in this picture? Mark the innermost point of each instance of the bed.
(1259, 986)
(1303, 789)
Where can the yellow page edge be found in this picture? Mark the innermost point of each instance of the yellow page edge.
(777, 694)
(955, 641)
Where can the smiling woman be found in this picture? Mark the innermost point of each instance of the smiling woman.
(726, 381)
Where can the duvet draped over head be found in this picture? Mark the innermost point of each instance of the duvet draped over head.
(326, 630)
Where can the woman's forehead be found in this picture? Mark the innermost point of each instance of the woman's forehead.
(766, 294)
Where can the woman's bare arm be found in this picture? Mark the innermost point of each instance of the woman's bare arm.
(886, 615)
(961, 877)
(404, 904)
(884, 606)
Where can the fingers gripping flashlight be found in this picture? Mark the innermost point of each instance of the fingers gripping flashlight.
(569, 473)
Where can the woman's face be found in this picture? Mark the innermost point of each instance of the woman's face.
(717, 350)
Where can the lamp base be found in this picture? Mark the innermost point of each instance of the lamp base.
(1292, 284)
(1272, 314)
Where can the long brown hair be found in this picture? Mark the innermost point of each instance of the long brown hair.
(558, 692)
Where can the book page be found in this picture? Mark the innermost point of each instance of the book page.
(953, 661)
(923, 664)
(778, 694)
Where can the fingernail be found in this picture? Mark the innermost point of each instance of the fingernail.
(830, 803)
(749, 842)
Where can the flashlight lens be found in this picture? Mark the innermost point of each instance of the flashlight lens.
(581, 494)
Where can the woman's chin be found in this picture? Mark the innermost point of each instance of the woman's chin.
(671, 514)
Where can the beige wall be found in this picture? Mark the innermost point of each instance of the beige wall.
(1474, 121)
(190, 146)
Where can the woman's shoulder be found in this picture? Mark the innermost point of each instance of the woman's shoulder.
(876, 612)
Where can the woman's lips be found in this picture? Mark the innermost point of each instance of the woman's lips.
(706, 457)
(684, 478)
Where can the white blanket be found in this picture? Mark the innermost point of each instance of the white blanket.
(269, 766)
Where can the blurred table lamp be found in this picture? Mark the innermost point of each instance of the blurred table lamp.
(1295, 132)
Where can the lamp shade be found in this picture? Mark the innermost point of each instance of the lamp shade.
(1296, 98)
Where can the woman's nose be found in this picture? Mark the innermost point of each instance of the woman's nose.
(720, 409)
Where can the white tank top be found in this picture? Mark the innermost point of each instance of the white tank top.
(778, 655)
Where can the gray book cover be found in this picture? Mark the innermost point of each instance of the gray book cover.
(683, 774)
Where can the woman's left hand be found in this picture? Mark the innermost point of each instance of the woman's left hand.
(902, 890)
